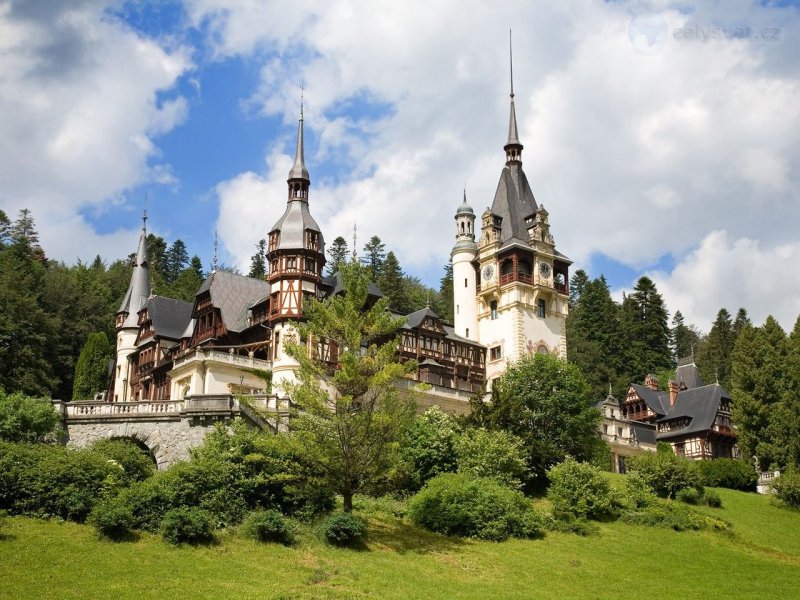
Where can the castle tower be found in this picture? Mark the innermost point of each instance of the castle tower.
(296, 256)
(465, 305)
(522, 290)
(127, 320)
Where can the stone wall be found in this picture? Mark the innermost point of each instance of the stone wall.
(168, 441)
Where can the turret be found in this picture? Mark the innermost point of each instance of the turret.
(465, 306)
(127, 319)
(296, 257)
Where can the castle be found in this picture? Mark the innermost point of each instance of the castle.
(188, 364)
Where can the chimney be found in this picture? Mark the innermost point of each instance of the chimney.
(651, 381)
(674, 388)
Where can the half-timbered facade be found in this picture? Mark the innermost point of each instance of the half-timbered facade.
(695, 419)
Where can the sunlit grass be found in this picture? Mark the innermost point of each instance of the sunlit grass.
(46, 559)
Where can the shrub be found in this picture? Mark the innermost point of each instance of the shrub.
(212, 485)
(579, 490)
(458, 504)
(666, 474)
(53, 481)
(344, 529)
(495, 454)
(268, 526)
(272, 471)
(638, 494)
(728, 473)
(112, 519)
(572, 524)
(26, 419)
(787, 489)
(136, 464)
(426, 449)
(712, 499)
(673, 516)
(186, 525)
(688, 496)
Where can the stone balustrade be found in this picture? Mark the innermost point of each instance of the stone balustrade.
(231, 358)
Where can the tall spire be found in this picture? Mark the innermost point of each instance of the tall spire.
(513, 146)
(299, 170)
(139, 287)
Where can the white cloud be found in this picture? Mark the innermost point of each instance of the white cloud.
(730, 273)
(78, 114)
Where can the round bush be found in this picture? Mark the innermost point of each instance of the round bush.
(186, 524)
(712, 499)
(344, 529)
(458, 504)
(112, 519)
(688, 496)
(579, 490)
(787, 489)
(268, 526)
(666, 474)
(136, 464)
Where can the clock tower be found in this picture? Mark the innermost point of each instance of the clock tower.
(520, 300)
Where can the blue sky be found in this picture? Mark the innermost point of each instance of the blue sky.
(661, 139)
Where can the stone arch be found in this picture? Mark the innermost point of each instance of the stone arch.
(142, 445)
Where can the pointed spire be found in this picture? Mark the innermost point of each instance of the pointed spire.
(299, 170)
(139, 287)
(513, 146)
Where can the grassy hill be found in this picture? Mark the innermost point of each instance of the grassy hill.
(761, 559)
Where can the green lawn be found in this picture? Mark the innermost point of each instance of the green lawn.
(40, 559)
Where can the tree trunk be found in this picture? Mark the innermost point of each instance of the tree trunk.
(348, 501)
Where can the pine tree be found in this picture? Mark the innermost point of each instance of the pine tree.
(785, 418)
(91, 370)
(350, 426)
(197, 266)
(392, 284)
(373, 257)
(648, 329)
(337, 255)
(714, 354)
(577, 284)
(175, 260)
(759, 357)
(740, 322)
(258, 262)
(98, 264)
(446, 300)
(595, 343)
(683, 337)
(5, 229)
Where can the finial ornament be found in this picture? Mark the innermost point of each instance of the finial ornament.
(511, 62)
(355, 241)
(214, 259)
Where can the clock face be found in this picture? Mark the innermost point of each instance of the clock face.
(488, 272)
(544, 269)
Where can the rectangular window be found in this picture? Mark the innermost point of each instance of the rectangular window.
(493, 308)
(465, 282)
(541, 308)
(496, 353)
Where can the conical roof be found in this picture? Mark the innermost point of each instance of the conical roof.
(299, 170)
(139, 288)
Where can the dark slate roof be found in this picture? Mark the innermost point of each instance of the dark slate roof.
(700, 405)
(233, 294)
(299, 170)
(430, 363)
(335, 285)
(415, 319)
(688, 374)
(657, 401)
(293, 224)
(514, 202)
(452, 335)
(645, 432)
(170, 317)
